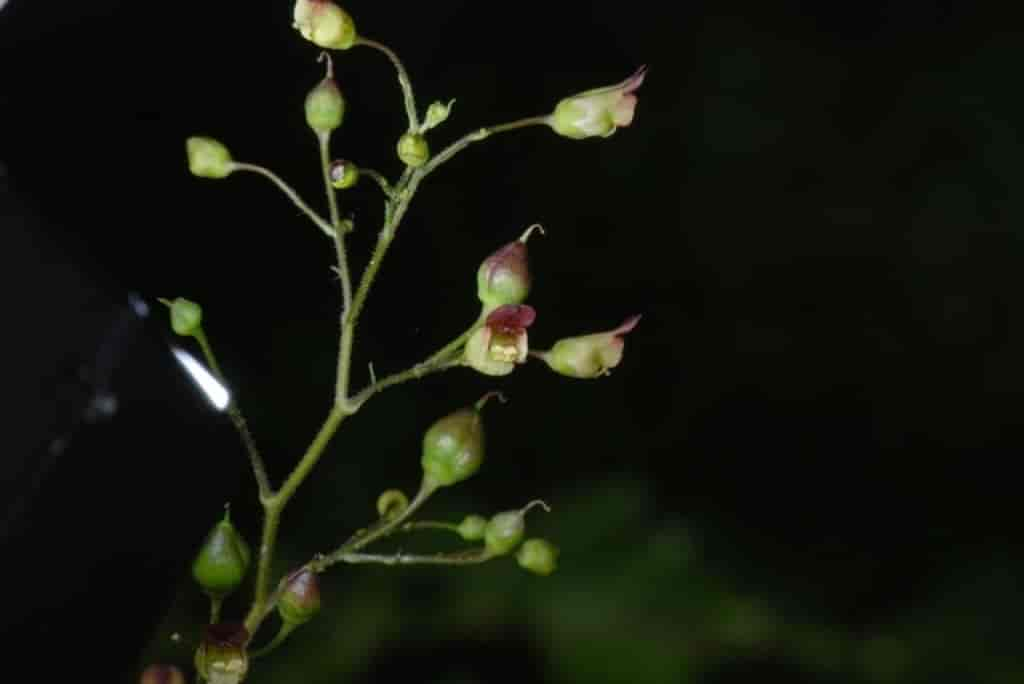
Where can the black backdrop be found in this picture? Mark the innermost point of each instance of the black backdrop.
(815, 211)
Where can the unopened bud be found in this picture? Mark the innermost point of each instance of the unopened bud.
(453, 448)
(589, 356)
(223, 560)
(539, 556)
(325, 106)
(505, 530)
(300, 600)
(599, 112)
(413, 149)
(208, 158)
(323, 23)
(472, 527)
(504, 277)
(344, 174)
(162, 674)
(186, 316)
(437, 112)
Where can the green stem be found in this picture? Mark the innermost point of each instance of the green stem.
(476, 136)
(379, 179)
(292, 195)
(429, 525)
(403, 80)
(468, 557)
(259, 469)
(215, 605)
(282, 634)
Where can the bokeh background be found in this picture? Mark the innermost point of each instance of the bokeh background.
(802, 470)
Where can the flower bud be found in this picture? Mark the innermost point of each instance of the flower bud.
(391, 503)
(497, 346)
(504, 277)
(208, 158)
(162, 674)
(437, 112)
(222, 561)
(589, 356)
(539, 556)
(343, 174)
(186, 316)
(325, 106)
(453, 448)
(504, 531)
(221, 657)
(300, 600)
(472, 527)
(323, 23)
(413, 150)
(599, 112)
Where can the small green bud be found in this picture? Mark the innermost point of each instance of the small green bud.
(323, 23)
(208, 158)
(221, 657)
(413, 150)
(344, 174)
(300, 600)
(391, 503)
(472, 527)
(325, 106)
(504, 277)
(162, 674)
(453, 448)
(504, 532)
(222, 561)
(186, 315)
(539, 556)
(437, 112)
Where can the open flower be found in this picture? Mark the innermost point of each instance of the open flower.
(589, 356)
(501, 343)
(599, 112)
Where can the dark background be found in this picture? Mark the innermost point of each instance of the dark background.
(801, 470)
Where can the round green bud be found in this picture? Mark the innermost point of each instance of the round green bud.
(391, 503)
(323, 23)
(223, 560)
(343, 174)
(539, 556)
(300, 600)
(504, 532)
(413, 150)
(453, 448)
(208, 158)
(504, 278)
(186, 316)
(325, 106)
(472, 527)
(162, 674)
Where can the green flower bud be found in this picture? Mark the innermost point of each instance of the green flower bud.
(437, 112)
(413, 150)
(207, 158)
(325, 106)
(300, 600)
(472, 527)
(222, 561)
(186, 315)
(221, 657)
(453, 448)
(504, 532)
(323, 23)
(162, 674)
(504, 277)
(589, 356)
(539, 556)
(344, 174)
(391, 503)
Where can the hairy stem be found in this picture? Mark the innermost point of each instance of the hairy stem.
(292, 195)
(476, 136)
(468, 557)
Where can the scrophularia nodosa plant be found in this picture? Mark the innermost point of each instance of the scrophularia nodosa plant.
(494, 344)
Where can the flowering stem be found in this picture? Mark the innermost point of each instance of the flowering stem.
(403, 80)
(292, 195)
(379, 179)
(476, 136)
(238, 420)
(467, 557)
